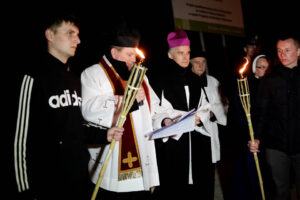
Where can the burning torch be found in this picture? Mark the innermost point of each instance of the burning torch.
(133, 85)
(244, 94)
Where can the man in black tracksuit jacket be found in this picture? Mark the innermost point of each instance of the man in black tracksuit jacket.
(278, 118)
(50, 156)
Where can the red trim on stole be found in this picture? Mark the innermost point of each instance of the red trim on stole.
(147, 93)
(129, 153)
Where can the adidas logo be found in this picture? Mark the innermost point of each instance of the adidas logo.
(65, 99)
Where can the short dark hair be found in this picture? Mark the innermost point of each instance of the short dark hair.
(54, 21)
(289, 36)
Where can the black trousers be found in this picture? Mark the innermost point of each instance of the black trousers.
(281, 165)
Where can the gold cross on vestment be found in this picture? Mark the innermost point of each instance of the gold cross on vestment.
(129, 159)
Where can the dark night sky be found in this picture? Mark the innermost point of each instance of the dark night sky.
(153, 19)
(21, 40)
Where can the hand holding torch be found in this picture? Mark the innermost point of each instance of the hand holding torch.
(244, 94)
(133, 85)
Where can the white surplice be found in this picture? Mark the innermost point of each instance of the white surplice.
(98, 106)
(214, 105)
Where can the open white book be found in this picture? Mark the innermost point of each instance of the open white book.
(183, 124)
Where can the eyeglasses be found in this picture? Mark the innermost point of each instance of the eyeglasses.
(261, 67)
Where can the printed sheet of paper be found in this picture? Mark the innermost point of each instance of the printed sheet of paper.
(183, 124)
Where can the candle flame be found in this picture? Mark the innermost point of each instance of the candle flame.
(244, 67)
(140, 53)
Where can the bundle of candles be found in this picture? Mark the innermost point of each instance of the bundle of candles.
(244, 94)
(133, 85)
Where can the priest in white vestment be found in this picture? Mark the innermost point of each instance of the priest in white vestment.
(133, 175)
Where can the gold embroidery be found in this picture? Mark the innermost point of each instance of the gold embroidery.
(129, 160)
(130, 175)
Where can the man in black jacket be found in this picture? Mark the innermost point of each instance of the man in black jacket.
(50, 156)
(173, 153)
(278, 118)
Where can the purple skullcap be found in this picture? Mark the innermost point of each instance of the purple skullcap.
(178, 38)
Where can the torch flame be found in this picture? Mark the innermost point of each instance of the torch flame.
(140, 53)
(244, 66)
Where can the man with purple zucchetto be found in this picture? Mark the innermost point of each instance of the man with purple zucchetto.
(173, 153)
(186, 161)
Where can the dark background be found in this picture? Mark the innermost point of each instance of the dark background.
(23, 39)
(154, 19)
